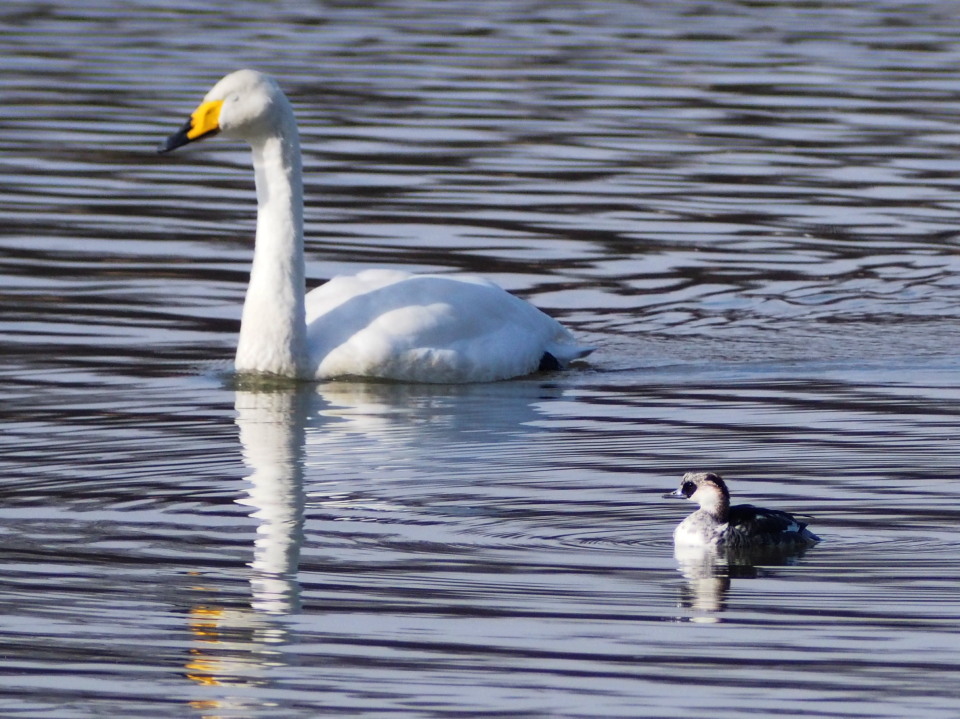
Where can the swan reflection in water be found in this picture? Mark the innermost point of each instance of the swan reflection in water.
(272, 429)
(236, 645)
(288, 432)
(708, 573)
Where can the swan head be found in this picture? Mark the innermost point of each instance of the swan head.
(245, 104)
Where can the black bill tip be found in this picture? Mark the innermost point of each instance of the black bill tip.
(182, 136)
(177, 139)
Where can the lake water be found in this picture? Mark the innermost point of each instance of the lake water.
(751, 208)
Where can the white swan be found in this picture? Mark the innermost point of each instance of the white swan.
(378, 323)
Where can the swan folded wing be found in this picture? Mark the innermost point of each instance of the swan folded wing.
(428, 328)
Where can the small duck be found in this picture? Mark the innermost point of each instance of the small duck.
(742, 527)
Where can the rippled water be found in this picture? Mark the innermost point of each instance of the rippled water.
(751, 208)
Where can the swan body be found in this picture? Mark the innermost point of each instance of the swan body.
(379, 323)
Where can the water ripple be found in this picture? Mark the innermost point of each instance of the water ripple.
(748, 207)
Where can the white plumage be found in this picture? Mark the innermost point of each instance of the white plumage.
(378, 323)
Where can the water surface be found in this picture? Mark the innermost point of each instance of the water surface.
(749, 207)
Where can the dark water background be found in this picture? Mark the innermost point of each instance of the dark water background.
(750, 207)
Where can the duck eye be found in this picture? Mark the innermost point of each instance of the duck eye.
(688, 488)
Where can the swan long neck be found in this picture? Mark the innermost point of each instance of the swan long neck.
(273, 327)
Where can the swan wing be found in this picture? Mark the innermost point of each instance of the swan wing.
(428, 328)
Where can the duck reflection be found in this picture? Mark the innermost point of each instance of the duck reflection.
(708, 571)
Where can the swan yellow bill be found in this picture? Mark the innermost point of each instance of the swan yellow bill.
(204, 122)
